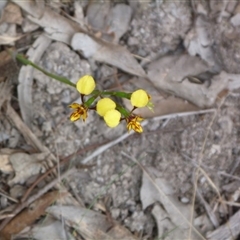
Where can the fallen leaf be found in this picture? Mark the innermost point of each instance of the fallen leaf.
(29, 215)
(109, 53)
(90, 224)
(48, 229)
(12, 14)
(26, 165)
(56, 26)
(170, 74)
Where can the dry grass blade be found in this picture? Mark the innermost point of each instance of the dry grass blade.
(198, 169)
(208, 209)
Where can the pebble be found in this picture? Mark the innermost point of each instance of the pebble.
(184, 200)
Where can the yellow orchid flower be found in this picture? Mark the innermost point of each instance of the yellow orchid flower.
(133, 123)
(80, 112)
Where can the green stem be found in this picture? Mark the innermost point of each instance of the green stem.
(123, 111)
(89, 102)
(25, 61)
(117, 94)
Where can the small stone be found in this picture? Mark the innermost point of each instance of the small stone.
(184, 200)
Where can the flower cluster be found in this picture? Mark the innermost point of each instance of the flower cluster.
(111, 112)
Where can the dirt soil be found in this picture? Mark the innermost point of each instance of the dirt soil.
(173, 146)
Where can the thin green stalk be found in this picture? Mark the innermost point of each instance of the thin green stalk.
(117, 94)
(123, 111)
(25, 61)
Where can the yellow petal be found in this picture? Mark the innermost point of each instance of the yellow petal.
(104, 105)
(112, 118)
(86, 85)
(75, 116)
(74, 105)
(139, 98)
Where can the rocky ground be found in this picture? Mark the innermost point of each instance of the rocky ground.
(179, 179)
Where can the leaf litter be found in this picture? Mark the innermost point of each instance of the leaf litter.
(169, 145)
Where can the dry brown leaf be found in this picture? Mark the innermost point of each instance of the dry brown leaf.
(120, 232)
(168, 72)
(12, 14)
(29, 215)
(35, 8)
(49, 229)
(109, 53)
(90, 224)
(26, 165)
(56, 26)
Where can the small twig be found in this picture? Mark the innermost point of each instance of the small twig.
(4, 216)
(231, 203)
(200, 157)
(6, 196)
(126, 135)
(208, 209)
(28, 135)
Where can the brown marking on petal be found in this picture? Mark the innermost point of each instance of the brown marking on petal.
(75, 116)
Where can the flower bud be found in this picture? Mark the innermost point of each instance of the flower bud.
(139, 98)
(86, 85)
(104, 105)
(112, 118)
